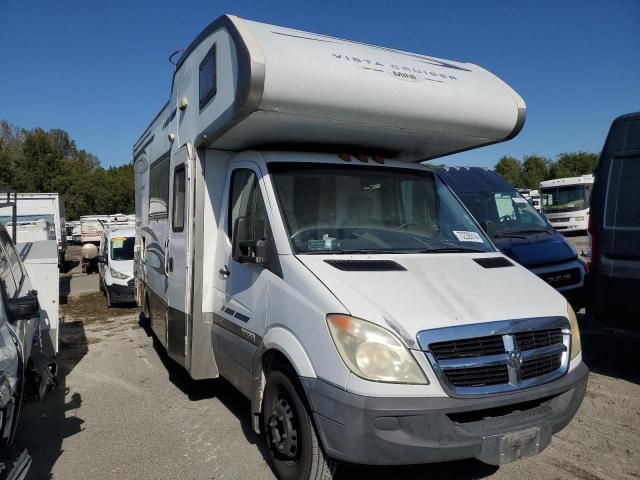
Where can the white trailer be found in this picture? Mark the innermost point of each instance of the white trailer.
(566, 202)
(289, 241)
(38, 207)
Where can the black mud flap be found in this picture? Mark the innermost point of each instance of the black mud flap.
(512, 446)
(16, 470)
(45, 369)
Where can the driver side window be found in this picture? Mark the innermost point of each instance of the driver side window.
(246, 201)
(504, 205)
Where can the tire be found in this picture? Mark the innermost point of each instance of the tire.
(298, 455)
(109, 304)
(101, 287)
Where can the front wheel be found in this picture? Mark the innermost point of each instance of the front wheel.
(296, 453)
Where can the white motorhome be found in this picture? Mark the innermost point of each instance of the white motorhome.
(289, 241)
(39, 207)
(565, 202)
(115, 264)
(91, 226)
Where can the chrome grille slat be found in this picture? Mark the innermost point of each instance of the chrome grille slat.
(498, 356)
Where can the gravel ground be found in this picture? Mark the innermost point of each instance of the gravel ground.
(124, 410)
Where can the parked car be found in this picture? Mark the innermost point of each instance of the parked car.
(21, 358)
(115, 264)
(518, 229)
(614, 227)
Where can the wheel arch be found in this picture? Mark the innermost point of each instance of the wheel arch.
(279, 347)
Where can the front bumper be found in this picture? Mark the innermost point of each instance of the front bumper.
(400, 431)
(121, 293)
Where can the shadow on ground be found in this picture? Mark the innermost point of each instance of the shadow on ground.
(65, 288)
(609, 351)
(44, 425)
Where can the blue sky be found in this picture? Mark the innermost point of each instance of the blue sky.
(100, 71)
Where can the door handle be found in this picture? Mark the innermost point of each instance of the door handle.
(224, 271)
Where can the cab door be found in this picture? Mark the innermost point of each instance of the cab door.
(178, 253)
(241, 288)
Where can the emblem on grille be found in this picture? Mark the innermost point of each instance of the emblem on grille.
(514, 359)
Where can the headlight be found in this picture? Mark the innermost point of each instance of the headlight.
(373, 353)
(117, 274)
(576, 346)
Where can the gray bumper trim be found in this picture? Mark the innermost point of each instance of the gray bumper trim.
(401, 430)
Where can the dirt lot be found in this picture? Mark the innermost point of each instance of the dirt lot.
(124, 410)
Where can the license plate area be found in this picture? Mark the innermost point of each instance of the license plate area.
(512, 446)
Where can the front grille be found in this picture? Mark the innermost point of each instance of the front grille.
(562, 278)
(471, 347)
(538, 339)
(478, 376)
(496, 357)
(540, 366)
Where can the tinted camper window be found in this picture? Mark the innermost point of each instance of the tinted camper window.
(159, 188)
(207, 79)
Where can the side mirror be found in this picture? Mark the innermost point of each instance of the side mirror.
(102, 259)
(24, 308)
(487, 226)
(244, 249)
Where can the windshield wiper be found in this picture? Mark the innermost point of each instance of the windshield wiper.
(532, 230)
(454, 250)
(507, 235)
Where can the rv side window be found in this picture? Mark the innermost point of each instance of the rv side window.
(177, 220)
(207, 79)
(159, 188)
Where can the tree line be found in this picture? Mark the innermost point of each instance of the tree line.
(49, 161)
(533, 169)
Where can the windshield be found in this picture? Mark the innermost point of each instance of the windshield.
(122, 248)
(507, 211)
(360, 209)
(565, 199)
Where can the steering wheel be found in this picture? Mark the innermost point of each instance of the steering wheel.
(405, 225)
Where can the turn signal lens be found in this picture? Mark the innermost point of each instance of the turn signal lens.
(576, 345)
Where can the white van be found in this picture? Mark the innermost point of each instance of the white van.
(115, 264)
(289, 242)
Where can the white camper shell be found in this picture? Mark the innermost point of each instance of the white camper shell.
(289, 241)
(40, 216)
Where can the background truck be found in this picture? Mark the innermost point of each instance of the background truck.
(45, 208)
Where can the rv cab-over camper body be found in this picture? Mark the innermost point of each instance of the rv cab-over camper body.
(289, 240)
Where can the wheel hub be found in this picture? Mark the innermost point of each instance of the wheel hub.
(282, 430)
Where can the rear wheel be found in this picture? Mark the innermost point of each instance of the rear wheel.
(296, 453)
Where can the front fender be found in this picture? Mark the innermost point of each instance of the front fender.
(285, 342)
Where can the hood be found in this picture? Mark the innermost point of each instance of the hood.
(122, 266)
(436, 290)
(537, 250)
